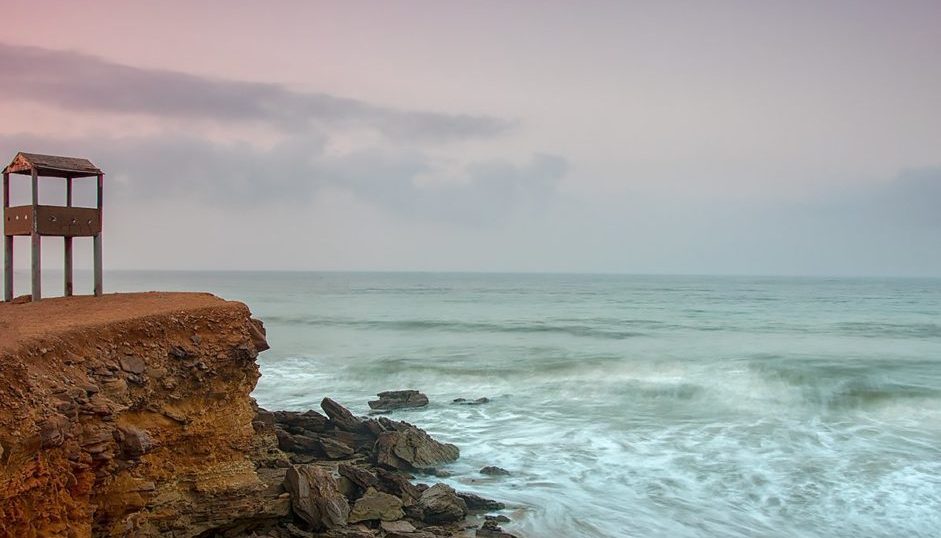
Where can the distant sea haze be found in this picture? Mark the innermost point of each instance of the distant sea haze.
(632, 405)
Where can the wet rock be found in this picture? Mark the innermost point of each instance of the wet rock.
(497, 518)
(375, 505)
(341, 416)
(399, 399)
(441, 504)
(490, 529)
(465, 401)
(476, 503)
(408, 447)
(492, 470)
(315, 497)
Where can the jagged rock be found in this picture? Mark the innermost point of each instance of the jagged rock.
(490, 529)
(357, 475)
(498, 518)
(375, 505)
(256, 329)
(408, 447)
(398, 485)
(341, 416)
(476, 503)
(441, 504)
(310, 421)
(134, 441)
(335, 449)
(399, 399)
(492, 470)
(302, 444)
(315, 497)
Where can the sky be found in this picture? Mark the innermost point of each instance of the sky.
(690, 137)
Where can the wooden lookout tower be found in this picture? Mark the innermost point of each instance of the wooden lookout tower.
(37, 220)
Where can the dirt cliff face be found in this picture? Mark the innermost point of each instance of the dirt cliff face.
(127, 415)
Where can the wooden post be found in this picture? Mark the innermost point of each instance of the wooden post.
(97, 247)
(68, 242)
(7, 245)
(36, 240)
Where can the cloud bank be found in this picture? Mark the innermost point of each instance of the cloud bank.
(77, 81)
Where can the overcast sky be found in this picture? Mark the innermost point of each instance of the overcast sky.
(638, 137)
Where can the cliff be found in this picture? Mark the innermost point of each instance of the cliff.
(131, 415)
(127, 414)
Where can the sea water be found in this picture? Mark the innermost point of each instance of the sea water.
(672, 406)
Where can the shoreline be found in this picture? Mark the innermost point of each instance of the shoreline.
(132, 414)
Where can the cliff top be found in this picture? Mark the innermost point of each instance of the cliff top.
(19, 322)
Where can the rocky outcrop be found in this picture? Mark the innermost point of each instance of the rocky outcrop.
(128, 415)
(316, 497)
(398, 399)
(441, 504)
(131, 415)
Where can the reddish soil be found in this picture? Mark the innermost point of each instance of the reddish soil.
(52, 316)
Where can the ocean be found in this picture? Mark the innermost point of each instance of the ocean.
(680, 406)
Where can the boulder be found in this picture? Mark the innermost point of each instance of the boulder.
(441, 504)
(316, 497)
(408, 447)
(357, 475)
(134, 441)
(375, 505)
(399, 399)
(490, 529)
(308, 421)
(476, 503)
(398, 485)
(492, 470)
(342, 417)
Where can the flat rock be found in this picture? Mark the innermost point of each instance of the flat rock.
(132, 364)
(441, 504)
(316, 497)
(465, 401)
(375, 505)
(399, 399)
(397, 526)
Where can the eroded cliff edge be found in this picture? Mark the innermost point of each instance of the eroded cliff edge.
(127, 414)
(131, 415)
